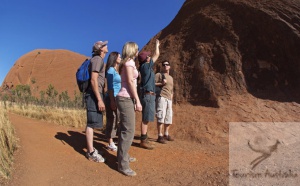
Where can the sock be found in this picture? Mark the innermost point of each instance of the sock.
(143, 136)
(160, 134)
(91, 153)
(166, 134)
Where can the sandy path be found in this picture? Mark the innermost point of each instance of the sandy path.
(54, 155)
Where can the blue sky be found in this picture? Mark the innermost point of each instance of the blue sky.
(75, 25)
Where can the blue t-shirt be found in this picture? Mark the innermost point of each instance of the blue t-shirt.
(147, 77)
(113, 80)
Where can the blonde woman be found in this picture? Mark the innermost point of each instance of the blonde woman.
(127, 102)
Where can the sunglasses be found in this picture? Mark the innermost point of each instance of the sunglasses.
(165, 65)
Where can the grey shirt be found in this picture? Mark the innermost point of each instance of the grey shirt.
(97, 65)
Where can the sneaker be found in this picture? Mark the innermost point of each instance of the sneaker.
(96, 157)
(112, 147)
(99, 152)
(132, 159)
(146, 144)
(168, 137)
(161, 139)
(128, 172)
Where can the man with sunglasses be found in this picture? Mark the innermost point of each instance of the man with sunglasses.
(147, 87)
(164, 111)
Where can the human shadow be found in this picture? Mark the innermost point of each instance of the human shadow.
(74, 139)
(100, 136)
(77, 140)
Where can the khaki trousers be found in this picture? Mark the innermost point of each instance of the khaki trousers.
(127, 130)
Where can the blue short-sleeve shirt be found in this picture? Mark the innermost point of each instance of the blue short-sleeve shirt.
(147, 76)
(113, 80)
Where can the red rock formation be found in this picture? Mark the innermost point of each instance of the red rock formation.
(227, 47)
(40, 68)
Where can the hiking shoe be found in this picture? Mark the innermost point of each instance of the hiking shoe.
(146, 144)
(168, 137)
(132, 159)
(128, 172)
(99, 152)
(112, 147)
(96, 157)
(161, 139)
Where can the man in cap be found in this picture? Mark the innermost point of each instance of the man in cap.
(94, 98)
(147, 92)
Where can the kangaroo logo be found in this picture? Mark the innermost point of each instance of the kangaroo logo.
(265, 151)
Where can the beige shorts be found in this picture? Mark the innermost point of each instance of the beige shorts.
(164, 111)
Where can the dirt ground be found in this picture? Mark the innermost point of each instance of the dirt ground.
(55, 155)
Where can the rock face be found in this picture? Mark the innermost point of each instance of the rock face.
(40, 68)
(228, 47)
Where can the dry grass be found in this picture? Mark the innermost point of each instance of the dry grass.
(8, 144)
(65, 117)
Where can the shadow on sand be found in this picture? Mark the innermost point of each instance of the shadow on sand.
(77, 140)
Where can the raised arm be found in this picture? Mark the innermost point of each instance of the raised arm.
(156, 53)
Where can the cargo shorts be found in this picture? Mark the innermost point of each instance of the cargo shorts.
(148, 104)
(164, 111)
(94, 116)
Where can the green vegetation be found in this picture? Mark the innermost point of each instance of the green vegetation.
(50, 106)
(22, 95)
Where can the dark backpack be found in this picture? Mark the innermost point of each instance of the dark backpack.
(83, 76)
